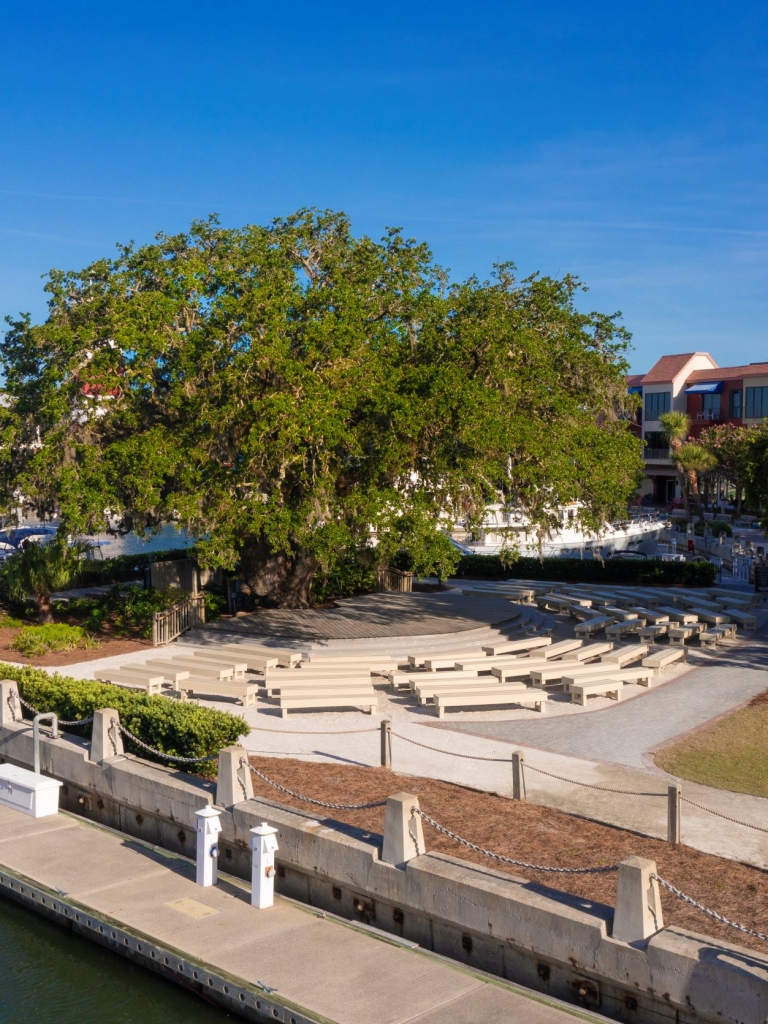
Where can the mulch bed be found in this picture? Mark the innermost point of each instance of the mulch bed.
(109, 647)
(537, 835)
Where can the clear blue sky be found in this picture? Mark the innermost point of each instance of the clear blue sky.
(625, 143)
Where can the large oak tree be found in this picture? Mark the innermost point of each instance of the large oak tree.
(283, 391)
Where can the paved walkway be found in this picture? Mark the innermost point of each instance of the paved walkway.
(289, 962)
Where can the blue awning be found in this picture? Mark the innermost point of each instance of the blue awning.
(713, 387)
(635, 391)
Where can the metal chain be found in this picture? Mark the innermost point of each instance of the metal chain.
(453, 753)
(510, 860)
(9, 702)
(309, 799)
(29, 707)
(735, 821)
(590, 785)
(316, 732)
(159, 753)
(705, 910)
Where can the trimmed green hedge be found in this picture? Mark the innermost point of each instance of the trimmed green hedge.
(175, 727)
(634, 572)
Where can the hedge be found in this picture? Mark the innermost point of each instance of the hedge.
(635, 572)
(174, 727)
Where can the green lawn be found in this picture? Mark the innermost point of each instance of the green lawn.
(732, 753)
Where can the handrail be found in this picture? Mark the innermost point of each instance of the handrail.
(173, 621)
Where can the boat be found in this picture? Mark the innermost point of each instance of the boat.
(504, 530)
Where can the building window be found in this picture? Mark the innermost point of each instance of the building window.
(734, 404)
(711, 406)
(656, 404)
(757, 403)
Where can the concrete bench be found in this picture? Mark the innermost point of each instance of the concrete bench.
(727, 630)
(652, 632)
(588, 652)
(261, 657)
(595, 624)
(364, 701)
(653, 618)
(676, 615)
(500, 695)
(714, 618)
(660, 659)
(246, 693)
(521, 668)
(147, 682)
(620, 614)
(292, 686)
(679, 634)
(532, 643)
(194, 667)
(425, 692)
(170, 673)
(556, 602)
(741, 618)
(709, 638)
(448, 658)
(556, 650)
(627, 674)
(621, 629)
(227, 660)
(598, 688)
(624, 655)
(307, 671)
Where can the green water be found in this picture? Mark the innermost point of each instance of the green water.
(48, 974)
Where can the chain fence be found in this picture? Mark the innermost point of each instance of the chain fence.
(705, 910)
(453, 753)
(310, 799)
(115, 724)
(34, 711)
(415, 811)
(718, 814)
(591, 785)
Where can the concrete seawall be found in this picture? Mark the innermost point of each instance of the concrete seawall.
(539, 937)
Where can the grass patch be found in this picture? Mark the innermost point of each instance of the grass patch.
(729, 754)
(9, 622)
(37, 640)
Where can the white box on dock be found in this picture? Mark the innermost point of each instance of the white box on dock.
(25, 791)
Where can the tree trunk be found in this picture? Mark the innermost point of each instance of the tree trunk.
(277, 580)
(693, 489)
(45, 616)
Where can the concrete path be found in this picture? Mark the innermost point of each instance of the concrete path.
(288, 963)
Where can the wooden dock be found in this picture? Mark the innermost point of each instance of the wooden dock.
(291, 963)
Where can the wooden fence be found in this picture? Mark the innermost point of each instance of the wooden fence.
(394, 580)
(177, 619)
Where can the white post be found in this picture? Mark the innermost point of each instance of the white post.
(638, 907)
(208, 827)
(263, 848)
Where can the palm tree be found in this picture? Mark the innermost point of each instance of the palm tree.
(42, 569)
(676, 426)
(694, 459)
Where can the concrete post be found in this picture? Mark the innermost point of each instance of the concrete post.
(386, 743)
(638, 907)
(263, 848)
(518, 779)
(208, 826)
(10, 709)
(403, 832)
(234, 783)
(674, 812)
(106, 739)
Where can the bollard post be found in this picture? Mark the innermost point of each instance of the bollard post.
(386, 743)
(638, 906)
(208, 825)
(518, 778)
(10, 708)
(403, 831)
(106, 739)
(234, 782)
(54, 722)
(263, 848)
(674, 812)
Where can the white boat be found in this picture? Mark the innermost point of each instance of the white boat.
(505, 530)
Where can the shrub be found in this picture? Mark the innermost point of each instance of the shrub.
(34, 640)
(718, 527)
(10, 622)
(215, 605)
(640, 572)
(174, 727)
(346, 577)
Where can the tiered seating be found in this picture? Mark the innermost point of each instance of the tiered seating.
(663, 658)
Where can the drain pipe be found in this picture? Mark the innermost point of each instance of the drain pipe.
(43, 716)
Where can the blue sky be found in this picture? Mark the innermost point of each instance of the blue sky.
(623, 143)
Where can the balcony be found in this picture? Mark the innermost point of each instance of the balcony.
(710, 416)
(656, 454)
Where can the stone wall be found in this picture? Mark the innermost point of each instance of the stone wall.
(528, 933)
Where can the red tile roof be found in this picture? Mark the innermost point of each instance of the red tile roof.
(634, 380)
(730, 372)
(668, 367)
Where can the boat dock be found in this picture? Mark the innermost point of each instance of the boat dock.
(291, 963)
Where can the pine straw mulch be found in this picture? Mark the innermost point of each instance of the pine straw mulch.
(109, 647)
(538, 835)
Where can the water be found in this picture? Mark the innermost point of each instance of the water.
(169, 537)
(48, 974)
